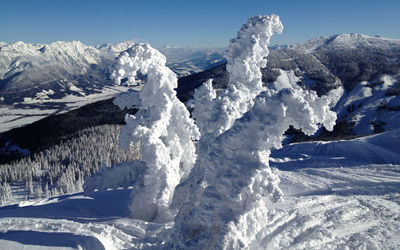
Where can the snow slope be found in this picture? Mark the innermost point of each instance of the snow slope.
(372, 106)
(325, 206)
(376, 149)
(31, 110)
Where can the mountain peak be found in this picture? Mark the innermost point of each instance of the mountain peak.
(349, 40)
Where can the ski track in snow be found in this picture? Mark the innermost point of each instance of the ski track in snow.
(324, 208)
(354, 207)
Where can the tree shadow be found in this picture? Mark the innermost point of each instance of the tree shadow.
(53, 239)
(94, 207)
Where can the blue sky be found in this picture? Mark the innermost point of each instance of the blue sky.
(203, 23)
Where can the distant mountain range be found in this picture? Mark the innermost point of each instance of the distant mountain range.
(361, 73)
(59, 69)
(37, 80)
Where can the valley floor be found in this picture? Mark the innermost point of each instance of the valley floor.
(355, 207)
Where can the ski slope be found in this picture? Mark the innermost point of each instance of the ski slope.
(327, 204)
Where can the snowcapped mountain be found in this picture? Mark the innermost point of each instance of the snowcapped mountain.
(37, 80)
(366, 68)
(74, 68)
(348, 41)
(28, 69)
(344, 59)
(361, 72)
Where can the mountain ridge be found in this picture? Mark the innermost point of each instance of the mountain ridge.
(349, 72)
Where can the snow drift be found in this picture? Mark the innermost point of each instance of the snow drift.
(224, 192)
(375, 149)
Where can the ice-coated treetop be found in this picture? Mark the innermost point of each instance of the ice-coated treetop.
(251, 46)
(246, 54)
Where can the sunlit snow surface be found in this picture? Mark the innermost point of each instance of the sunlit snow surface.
(335, 197)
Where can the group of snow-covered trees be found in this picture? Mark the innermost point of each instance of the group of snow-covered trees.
(210, 173)
(62, 168)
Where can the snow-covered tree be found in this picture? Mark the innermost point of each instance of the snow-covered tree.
(5, 192)
(162, 125)
(29, 185)
(46, 191)
(38, 191)
(236, 185)
(124, 175)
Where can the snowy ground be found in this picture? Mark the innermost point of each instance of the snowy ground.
(329, 205)
(333, 207)
(339, 207)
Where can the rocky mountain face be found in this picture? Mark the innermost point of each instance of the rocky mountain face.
(361, 73)
(61, 68)
(326, 63)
